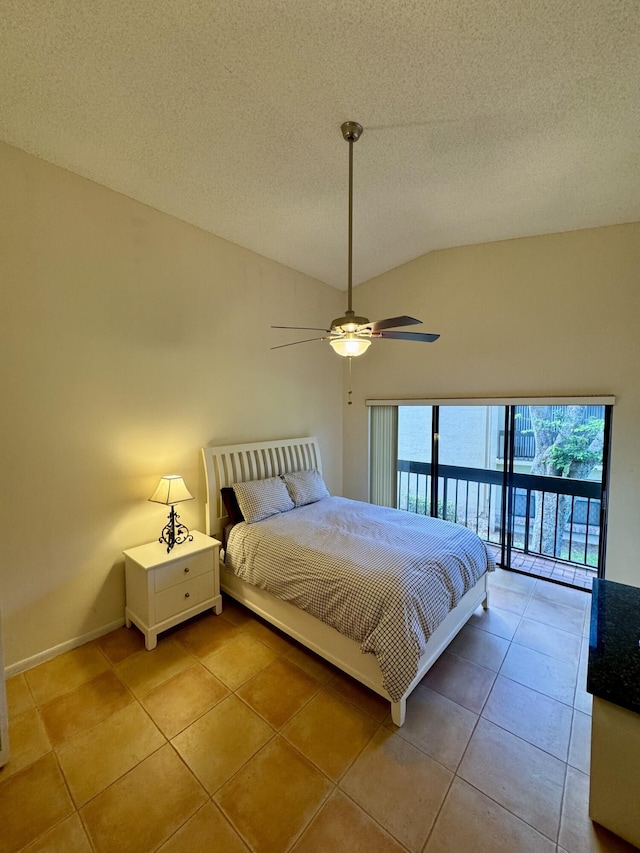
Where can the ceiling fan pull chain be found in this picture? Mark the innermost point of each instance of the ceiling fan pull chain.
(350, 403)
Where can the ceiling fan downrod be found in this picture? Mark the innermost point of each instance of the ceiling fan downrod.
(351, 131)
(349, 324)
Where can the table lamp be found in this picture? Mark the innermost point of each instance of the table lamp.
(171, 490)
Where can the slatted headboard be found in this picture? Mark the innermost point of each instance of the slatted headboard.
(236, 463)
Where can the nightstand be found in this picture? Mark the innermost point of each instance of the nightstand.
(165, 589)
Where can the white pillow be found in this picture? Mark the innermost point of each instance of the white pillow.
(260, 499)
(306, 487)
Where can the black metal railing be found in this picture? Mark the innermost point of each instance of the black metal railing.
(553, 517)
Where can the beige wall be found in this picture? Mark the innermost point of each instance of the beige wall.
(558, 314)
(129, 341)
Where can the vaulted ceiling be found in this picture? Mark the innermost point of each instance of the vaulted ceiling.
(484, 119)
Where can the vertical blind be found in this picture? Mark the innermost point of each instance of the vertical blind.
(383, 442)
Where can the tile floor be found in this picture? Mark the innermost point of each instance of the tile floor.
(230, 737)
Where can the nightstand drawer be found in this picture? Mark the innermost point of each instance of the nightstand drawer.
(183, 596)
(181, 571)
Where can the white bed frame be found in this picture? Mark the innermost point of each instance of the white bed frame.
(240, 462)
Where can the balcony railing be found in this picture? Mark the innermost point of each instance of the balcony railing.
(565, 527)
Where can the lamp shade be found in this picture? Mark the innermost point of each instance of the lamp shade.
(171, 490)
(350, 345)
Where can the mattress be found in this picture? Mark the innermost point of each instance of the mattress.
(385, 578)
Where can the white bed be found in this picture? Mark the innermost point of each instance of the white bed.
(241, 463)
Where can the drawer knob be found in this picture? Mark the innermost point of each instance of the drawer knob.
(186, 569)
(187, 594)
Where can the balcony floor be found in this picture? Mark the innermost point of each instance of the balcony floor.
(550, 569)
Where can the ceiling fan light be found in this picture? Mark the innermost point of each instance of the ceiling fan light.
(350, 346)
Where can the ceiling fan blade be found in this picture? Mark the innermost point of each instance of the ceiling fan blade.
(392, 323)
(293, 343)
(408, 336)
(303, 328)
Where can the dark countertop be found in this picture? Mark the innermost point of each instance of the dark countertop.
(614, 644)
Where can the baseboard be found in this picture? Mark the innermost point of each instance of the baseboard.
(49, 654)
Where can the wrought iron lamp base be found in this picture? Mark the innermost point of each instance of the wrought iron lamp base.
(174, 533)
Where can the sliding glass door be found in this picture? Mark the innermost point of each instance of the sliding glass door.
(450, 465)
(415, 445)
(557, 481)
(531, 480)
(470, 477)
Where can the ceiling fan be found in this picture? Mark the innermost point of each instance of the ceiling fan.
(351, 335)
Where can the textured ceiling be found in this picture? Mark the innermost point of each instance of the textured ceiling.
(484, 119)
